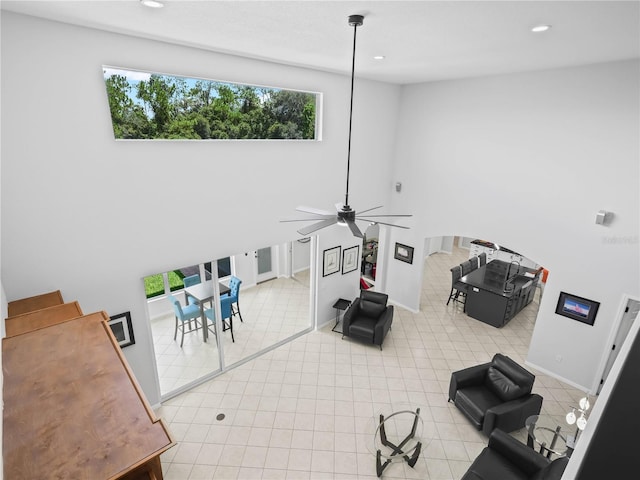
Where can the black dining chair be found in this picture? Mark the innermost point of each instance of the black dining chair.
(467, 266)
(482, 258)
(475, 263)
(457, 287)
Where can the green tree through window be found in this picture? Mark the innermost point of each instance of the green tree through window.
(153, 106)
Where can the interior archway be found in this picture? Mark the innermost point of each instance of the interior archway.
(444, 253)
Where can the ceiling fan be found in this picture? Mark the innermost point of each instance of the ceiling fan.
(344, 215)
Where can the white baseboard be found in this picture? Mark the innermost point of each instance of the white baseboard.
(326, 322)
(403, 306)
(558, 377)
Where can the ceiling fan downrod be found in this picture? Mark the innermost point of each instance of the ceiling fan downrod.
(355, 21)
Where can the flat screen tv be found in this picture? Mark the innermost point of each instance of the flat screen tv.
(577, 308)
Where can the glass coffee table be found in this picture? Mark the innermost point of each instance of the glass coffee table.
(398, 435)
(547, 434)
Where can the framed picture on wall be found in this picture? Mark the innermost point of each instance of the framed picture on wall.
(122, 329)
(577, 308)
(350, 258)
(403, 253)
(331, 261)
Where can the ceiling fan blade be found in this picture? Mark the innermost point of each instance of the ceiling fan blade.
(313, 211)
(307, 219)
(317, 226)
(354, 229)
(381, 223)
(388, 215)
(369, 209)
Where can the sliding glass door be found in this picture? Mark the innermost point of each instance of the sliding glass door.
(264, 314)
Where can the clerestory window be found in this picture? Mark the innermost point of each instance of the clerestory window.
(151, 106)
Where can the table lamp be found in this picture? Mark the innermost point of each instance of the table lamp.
(581, 421)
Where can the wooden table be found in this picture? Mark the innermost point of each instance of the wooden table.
(205, 293)
(73, 409)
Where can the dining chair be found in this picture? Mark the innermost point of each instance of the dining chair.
(482, 259)
(227, 316)
(474, 262)
(234, 294)
(457, 287)
(189, 282)
(467, 266)
(184, 316)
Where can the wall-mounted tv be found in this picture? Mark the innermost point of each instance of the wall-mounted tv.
(577, 308)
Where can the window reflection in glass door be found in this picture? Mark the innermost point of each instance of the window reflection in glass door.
(178, 365)
(265, 314)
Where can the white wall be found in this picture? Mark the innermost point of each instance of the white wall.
(301, 256)
(402, 280)
(438, 244)
(527, 161)
(336, 285)
(91, 216)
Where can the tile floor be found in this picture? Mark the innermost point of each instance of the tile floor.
(304, 410)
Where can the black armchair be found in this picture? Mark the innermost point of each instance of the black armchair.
(505, 458)
(495, 394)
(368, 318)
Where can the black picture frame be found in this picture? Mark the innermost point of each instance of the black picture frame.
(577, 308)
(404, 253)
(122, 329)
(350, 259)
(331, 261)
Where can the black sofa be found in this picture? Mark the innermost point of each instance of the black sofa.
(369, 318)
(505, 458)
(496, 394)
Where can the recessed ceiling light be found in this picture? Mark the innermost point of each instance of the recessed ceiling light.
(540, 28)
(152, 3)
(379, 57)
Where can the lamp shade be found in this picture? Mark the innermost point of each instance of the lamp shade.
(584, 404)
(581, 422)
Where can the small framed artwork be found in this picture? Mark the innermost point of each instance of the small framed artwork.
(577, 308)
(331, 261)
(122, 329)
(350, 259)
(403, 253)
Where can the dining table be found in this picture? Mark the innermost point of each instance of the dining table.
(204, 293)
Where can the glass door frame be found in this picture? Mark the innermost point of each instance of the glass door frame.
(222, 366)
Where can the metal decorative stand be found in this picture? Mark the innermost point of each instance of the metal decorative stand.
(543, 431)
(397, 450)
(341, 304)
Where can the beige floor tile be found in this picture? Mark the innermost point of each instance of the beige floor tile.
(305, 410)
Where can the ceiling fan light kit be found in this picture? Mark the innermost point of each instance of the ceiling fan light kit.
(345, 215)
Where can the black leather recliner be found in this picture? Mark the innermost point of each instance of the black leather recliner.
(368, 318)
(495, 394)
(505, 458)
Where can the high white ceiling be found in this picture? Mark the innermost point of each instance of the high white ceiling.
(421, 40)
